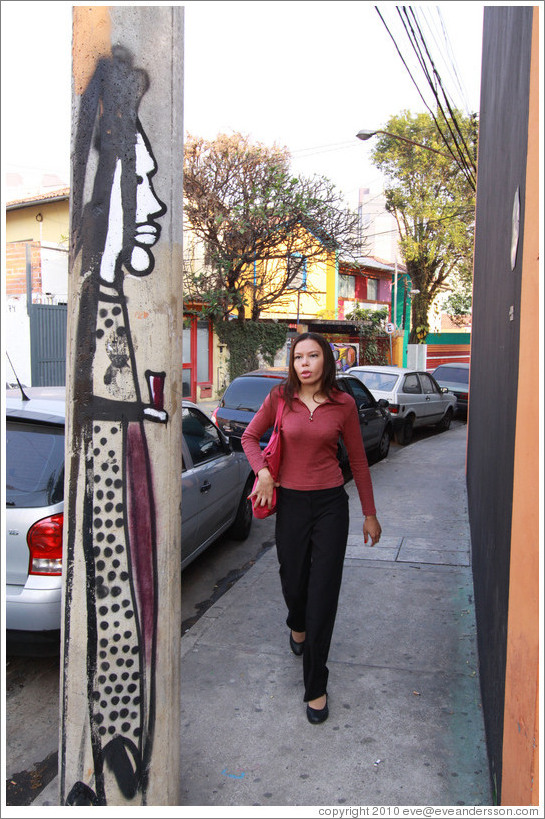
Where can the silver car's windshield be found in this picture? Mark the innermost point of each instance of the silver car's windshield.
(383, 382)
(458, 375)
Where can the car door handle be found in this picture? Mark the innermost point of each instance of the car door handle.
(206, 487)
(427, 398)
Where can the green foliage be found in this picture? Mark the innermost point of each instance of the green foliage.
(369, 321)
(213, 303)
(247, 340)
(371, 329)
(433, 203)
(420, 333)
(458, 304)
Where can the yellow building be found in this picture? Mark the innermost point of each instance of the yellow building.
(311, 293)
(43, 218)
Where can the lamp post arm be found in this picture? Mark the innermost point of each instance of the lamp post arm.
(366, 134)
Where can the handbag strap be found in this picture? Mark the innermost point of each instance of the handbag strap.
(279, 413)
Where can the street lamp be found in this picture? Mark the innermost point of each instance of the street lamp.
(365, 135)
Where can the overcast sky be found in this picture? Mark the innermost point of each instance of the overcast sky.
(307, 75)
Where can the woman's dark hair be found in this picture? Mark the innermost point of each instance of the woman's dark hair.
(292, 383)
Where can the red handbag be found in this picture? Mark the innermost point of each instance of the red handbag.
(272, 454)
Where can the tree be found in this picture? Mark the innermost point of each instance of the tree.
(434, 206)
(258, 223)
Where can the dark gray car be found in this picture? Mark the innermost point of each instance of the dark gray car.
(246, 393)
(455, 377)
(215, 484)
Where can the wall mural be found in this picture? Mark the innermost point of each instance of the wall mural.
(114, 228)
(346, 355)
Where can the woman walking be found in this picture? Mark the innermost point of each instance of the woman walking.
(312, 504)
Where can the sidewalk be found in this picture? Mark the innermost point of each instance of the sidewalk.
(405, 725)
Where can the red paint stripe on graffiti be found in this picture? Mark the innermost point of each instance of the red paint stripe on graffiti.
(140, 530)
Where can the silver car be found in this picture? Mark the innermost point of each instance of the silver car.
(215, 484)
(415, 399)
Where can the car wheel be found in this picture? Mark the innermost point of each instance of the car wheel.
(384, 443)
(405, 433)
(240, 528)
(445, 421)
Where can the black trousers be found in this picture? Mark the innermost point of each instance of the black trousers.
(311, 536)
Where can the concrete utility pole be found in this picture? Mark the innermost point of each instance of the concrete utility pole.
(120, 685)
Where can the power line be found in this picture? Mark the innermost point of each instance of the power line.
(413, 31)
(320, 149)
(467, 167)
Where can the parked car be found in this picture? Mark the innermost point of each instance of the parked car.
(216, 481)
(415, 398)
(246, 393)
(455, 377)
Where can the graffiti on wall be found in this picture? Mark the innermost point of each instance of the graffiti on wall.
(345, 354)
(114, 228)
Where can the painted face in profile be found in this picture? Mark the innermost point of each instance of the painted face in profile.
(136, 254)
(148, 208)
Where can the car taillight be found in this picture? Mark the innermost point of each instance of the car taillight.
(214, 414)
(463, 396)
(45, 543)
(393, 408)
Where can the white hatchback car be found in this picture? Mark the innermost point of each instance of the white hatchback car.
(415, 398)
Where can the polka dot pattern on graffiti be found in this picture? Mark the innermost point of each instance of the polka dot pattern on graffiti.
(117, 695)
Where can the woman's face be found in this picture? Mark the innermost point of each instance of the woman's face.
(308, 362)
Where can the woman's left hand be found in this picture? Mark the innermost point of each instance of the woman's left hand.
(372, 529)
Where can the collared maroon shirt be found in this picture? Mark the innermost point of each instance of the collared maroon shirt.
(309, 445)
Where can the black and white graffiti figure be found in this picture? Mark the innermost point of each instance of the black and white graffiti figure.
(114, 228)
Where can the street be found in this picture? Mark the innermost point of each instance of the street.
(32, 683)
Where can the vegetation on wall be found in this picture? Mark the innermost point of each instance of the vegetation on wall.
(373, 336)
(247, 341)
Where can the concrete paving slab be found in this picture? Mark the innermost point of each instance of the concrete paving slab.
(410, 554)
(386, 549)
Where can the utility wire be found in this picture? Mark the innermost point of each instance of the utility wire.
(462, 154)
(434, 81)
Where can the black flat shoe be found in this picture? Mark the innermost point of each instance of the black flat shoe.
(318, 715)
(297, 648)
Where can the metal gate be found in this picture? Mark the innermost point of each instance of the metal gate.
(48, 344)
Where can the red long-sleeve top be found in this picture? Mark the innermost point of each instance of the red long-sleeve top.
(309, 445)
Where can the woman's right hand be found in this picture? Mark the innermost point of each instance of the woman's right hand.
(263, 492)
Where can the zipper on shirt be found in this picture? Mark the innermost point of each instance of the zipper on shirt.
(310, 412)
